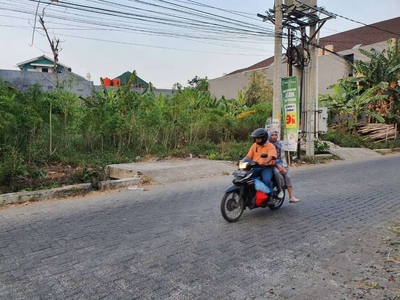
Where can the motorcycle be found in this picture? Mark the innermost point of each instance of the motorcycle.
(242, 194)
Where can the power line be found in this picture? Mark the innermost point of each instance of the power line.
(235, 12)
(371, 26)
(227, 19)
(177, 24)
(210, 27)
(159, 47)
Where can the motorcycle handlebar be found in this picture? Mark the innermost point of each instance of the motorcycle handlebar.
(257, 165)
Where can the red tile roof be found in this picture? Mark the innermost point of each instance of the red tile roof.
(366, 35)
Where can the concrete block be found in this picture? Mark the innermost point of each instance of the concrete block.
(383, 151)
(108, 184)
(121, 171)
(32, 196)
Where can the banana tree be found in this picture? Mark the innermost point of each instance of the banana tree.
(337, 103)
(382, 66)
(358, 105)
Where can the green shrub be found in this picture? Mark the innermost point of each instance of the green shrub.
(12, 165)
(321, 147)
(346, 139)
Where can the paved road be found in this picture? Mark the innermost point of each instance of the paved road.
(172, 243)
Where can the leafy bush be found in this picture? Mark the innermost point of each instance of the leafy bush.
(11, 166)
(353, 140)
(321, 147)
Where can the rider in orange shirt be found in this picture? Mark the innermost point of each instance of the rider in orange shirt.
(261, 145)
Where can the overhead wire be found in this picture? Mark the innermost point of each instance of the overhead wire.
(25, 10)
(206, 26)
(136, 29)
(186, 9)
(214, 30)
(235, 12)
(364, 24)
(159, 47)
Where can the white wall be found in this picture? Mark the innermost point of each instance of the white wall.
(331, 68)
(228, 86)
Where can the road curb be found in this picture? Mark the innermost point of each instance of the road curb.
(66, 191)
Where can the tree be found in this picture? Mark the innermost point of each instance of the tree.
(382, 66)
(259, 89)
(349, 101)
(54, 43)
(199, 84)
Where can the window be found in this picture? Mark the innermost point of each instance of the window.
(349, 58)
(350, 61)
(45, 70)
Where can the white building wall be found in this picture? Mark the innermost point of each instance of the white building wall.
(230, 85)
(331, 68)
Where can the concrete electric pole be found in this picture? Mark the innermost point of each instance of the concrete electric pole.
(311, 94)
(277, 98)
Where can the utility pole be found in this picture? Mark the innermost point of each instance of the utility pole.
(311, 94)
(289, 52)
(277, 101)
(303, 62)
(296, 16)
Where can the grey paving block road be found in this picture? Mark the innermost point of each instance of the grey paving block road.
(171, 242)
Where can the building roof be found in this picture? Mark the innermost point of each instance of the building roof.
(362, 36)
(127, 75)
(37, 58)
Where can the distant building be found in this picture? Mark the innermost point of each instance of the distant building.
(39, 70)
(42, 64)
(334, 55)
(139, 83)
(123, 79)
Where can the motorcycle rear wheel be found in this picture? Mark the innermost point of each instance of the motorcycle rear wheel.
(276, 202)
(232, 206)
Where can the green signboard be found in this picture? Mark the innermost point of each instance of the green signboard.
(290, 109)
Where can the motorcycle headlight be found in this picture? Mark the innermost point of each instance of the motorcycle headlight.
(243, 165)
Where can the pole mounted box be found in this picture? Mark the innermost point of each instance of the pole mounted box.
(323, 120)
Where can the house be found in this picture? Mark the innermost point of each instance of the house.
(123, 79)
(138, 83)
(334, 54)
(39, 70)
(42, 64)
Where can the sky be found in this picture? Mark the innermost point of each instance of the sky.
(165, 41)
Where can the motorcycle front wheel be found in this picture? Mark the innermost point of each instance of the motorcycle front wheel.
(232, 206)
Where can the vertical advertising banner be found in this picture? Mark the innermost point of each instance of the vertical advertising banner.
(290, 109)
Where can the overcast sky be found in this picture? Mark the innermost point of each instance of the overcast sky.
(165, 41)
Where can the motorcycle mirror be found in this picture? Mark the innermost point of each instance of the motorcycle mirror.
(264, 155)
(240, 157)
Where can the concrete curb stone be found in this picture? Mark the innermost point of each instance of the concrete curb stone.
(66, 191)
